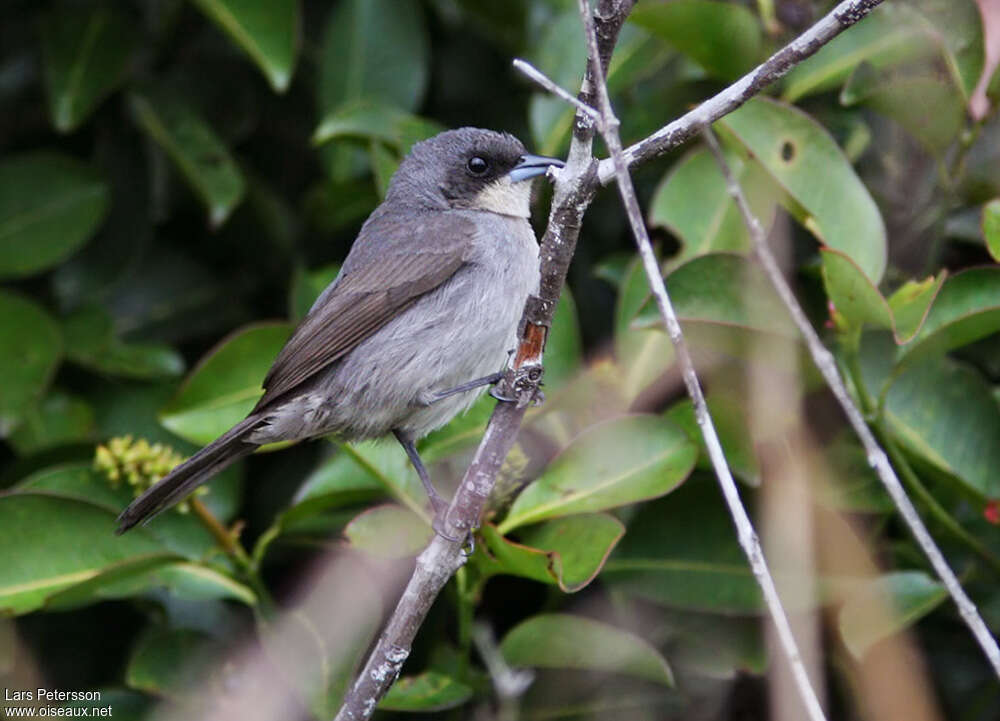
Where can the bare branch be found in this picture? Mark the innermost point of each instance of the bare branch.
(548, 84)
(690, 124)
(877, 458)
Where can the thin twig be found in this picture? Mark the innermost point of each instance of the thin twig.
(745, 532)
(877, 458)
(542, 79)
(684, 128)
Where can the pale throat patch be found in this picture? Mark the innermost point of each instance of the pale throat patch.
(506, 198)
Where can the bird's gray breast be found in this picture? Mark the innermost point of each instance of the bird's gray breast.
(457, 332)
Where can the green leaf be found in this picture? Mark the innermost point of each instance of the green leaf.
(560, 640)
(991, 228)
(732, 425)
(85, 57)
(195, 149)
(171, 662)
(462, 433)
(373, 50)
(692, 202)
(723, 38)
(956, 28)
(389, 465)
(643, 354)
(681, 551)
(225, 385)
(58, 419)
(885, 606)
(564, 347)
(568, 552)
(306, 287)
(943, 412)
(966, 309)
(714, 646)
(796, 150)
(51, 543)
(267, 32)
(91, 342)
(50, 205)
(853, 295)
(371, 120)
(29, 355)
(892, 34)
(428, 691)
(389, 531)
(612, 464)
(384, 162)
(911, 302)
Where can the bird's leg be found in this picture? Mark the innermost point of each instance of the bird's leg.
(438, 503)
(471, 385)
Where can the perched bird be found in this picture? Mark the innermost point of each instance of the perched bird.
(420, 319)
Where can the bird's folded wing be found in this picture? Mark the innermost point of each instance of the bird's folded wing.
(397, 271)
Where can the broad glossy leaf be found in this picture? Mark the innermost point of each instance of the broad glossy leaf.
(50, 205)
(957, 29)
(559, 640)
(51, 543)
(91, 342)
(171, 662)
(796, 150)
(306, 287)
(692, 203)
(373, 50)
(372, 120)
(29, 355)
(198, 153)
(389, 531)
(911, 302)
(966, 309)
(385, 163)
(731, 423)
(388, 464)
(58, 419)
(612, 464)
(885, 606)
(943, 412)
(723, 38)
(564, 348)
(681, 551)
(567, 552)
(267, 32)
(854, 297)
(225, 385)
(463, 432)
(425, 692)
(85, 57)
(643, 354)
(892, 34)
(991, 228)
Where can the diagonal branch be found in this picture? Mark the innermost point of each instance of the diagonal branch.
(876, 456)
(747, 535)
(690, 124)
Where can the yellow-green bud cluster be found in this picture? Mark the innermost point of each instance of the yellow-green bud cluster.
(138, 463)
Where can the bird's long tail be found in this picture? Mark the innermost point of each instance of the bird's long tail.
(172, 488)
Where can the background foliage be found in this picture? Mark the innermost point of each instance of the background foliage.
(175, 173)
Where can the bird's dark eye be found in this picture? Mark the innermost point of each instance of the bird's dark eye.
(477, 165)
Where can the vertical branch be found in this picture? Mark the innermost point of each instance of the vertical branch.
(877, 458)
(747, 536)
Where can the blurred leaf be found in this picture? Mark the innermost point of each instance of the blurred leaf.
(29, 355)
(196, 150)
(886, 605)
(851, 484)
(373, 50)
(58, 419)
(612, 464)
(956, 27)
(389, 531)
(911, 302)
(644, 354)
(853, 295)
(462, 432)
(50, 205)
(943, 412)
(713, 645)
(371, 120)
(681, 551)
(796, 150)
(991, 228)
(966, 309)
(559, 640)
(330, 205)
(388, 464)
(692, 202)
(226, 383)
(428, 691)
(568, 552)
(85, 56)
(731, 423)
(171, 662)
(892, 34)
(306, 287)
(51, 543)
(723, 38)
(267, 32)
(613, 268)
(384, 164)
(564, 347)
(91, 342)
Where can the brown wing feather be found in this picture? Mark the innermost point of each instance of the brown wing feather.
(390, 270)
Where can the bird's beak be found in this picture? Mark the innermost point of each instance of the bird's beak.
(531, 166)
